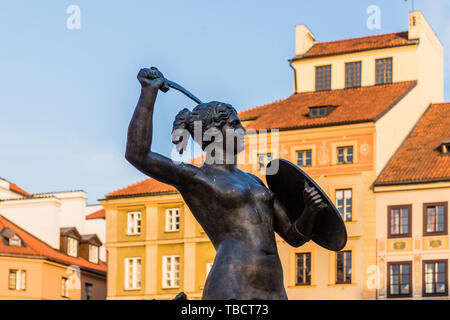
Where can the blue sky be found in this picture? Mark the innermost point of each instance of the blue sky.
(66, 96)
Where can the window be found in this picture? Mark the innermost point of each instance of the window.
(353, 74)
(344, 203)
(344, 267)
(88, 290)
(263, 160)
(172, 220)
(399, 279)
(399, 221)
(72, 247)
(344, 155)
(445, 147)
(323, 78)
(15, 241)
(435, 218)
(171, 272)
(435, 278)
(134, 223)
(304, 158)
(384, 71)
(133, 273)
(303, 264)
(17, 279)
(93, 253)
(65, 287)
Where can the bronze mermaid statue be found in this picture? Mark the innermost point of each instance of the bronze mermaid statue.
(237, 211)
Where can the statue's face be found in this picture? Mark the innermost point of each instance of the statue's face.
(234, 135)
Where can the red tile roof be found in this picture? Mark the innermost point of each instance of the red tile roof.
(146, 187)
(100, 214)
(34, 247)
(419, 159)
(13, 187)
(353, 106)
(389, 40)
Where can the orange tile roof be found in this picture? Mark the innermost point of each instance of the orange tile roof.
(39, 249)
(146, 187)
(353, 106)
(419, 159)
(381, 41)
(100, 214)
(13, 187)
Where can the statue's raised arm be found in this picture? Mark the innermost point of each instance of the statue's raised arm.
(140, 135)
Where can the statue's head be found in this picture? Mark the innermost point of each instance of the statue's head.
(210, 124)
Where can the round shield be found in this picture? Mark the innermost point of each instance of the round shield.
(288, 184)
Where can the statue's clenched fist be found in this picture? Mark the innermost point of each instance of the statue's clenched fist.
(313, 204)
(152, 78)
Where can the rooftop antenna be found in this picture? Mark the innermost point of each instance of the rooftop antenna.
(412, 5)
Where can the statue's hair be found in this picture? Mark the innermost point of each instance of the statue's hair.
(211, 114)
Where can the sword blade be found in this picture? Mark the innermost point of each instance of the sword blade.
(176, 86)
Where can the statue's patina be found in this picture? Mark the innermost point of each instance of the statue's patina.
(238, 212)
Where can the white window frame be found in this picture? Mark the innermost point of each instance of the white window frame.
(133, 279)
(93, 253)
(342, 194)
(171, 271)
(72, 247)
(20, 279)
(65, 287)
(134, 223)
(172, 223)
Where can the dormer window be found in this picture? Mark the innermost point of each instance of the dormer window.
(72, 247)
(321, 111)
(93, 253)
(445, 147)
(15, 241)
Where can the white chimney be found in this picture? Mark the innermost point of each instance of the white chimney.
(304, 40)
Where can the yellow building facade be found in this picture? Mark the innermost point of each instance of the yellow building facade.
(354, 103)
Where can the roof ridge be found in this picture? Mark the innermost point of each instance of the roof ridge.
(269, 103)
(130, 185)
(363, 37)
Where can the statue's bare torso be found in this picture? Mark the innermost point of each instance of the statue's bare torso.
(238, 217)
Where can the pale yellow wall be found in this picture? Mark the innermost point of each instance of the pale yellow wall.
(404, 67)
(415, 197)
(417, 247)
(394, 126)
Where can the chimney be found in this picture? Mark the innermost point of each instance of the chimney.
(304, 40)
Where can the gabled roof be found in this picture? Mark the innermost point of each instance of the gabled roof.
(39, 249)
(100, 214)
(70, 231)
(419, 159)
(389, 40)
(356, 105)
(91, 238)
(143, 188)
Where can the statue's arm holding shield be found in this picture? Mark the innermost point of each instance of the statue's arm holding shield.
(300, 231)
